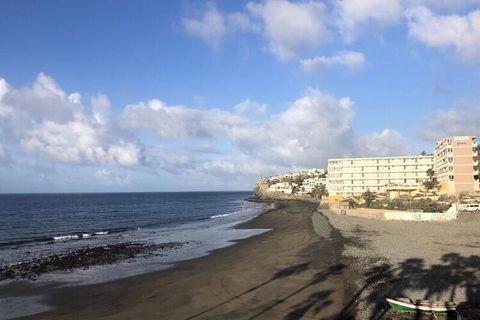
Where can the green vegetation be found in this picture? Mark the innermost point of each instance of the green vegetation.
(319, 191)
(406, 203)
(368, 196)
(431, 182)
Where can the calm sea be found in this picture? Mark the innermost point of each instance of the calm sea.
(35, 225)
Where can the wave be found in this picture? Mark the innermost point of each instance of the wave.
(62, 237)
(79, 236)
(226, 214)
(67, 237)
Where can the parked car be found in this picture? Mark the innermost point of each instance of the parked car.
(471, 207)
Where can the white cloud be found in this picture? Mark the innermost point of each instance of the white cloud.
(444, 5)
(79, 142)
(463, 118)
(46, 121)
(252, 107)
(458, 32)
(180, 122)
(348, 59)
(289, 27)
(219, 143)
(355, 14)
(3, 154)
(4, 87)
(210, 27)
(385, 143)
(311, 129)
(110, 178)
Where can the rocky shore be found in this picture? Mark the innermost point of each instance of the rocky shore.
(83, 258)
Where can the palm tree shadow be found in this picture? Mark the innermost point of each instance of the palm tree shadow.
(286, 272)
(455, 275)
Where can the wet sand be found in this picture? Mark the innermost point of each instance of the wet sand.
(294, 271)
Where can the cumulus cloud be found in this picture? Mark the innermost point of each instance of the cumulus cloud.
(110, 178)
(443, 5)
(46, 121)
(291, 27)
(210, 27)
(458, 32)
(386, 143)
(463, 118)
(355, 14)
(249, 106)
(179, 121)
(3, 154)
(189, 142)
(349, 59)
(311, 129)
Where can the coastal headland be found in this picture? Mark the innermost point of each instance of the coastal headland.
(293, 271)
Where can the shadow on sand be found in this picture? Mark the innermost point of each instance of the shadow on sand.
(315, 301)
(437, 282)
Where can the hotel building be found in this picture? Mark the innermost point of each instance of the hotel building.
(455, 162)
(354, 176)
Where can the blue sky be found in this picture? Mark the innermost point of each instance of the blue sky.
(194, 95)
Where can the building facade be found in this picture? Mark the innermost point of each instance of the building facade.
(454, 160)
(354, 176)
(456, 164)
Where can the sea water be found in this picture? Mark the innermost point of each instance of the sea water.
(35, 225)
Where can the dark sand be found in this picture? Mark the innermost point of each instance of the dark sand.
(291, 272)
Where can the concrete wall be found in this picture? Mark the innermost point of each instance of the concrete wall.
(450, 214)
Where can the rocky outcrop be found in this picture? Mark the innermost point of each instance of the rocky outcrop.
(83, 258)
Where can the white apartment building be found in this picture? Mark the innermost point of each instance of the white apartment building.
(283, 187)
(354, 176)
(310, 183)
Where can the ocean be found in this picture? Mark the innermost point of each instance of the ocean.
(39, 225)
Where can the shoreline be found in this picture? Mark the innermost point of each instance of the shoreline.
(256, 271)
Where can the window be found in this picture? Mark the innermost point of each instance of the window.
(451, 178)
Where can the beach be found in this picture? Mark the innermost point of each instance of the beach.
(421, 260)
(311, 264)
(294, 271)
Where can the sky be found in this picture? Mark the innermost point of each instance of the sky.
(120, 96)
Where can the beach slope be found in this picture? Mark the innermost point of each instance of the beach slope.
(293, 271)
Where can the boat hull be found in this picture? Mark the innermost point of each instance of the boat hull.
(404, 306)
